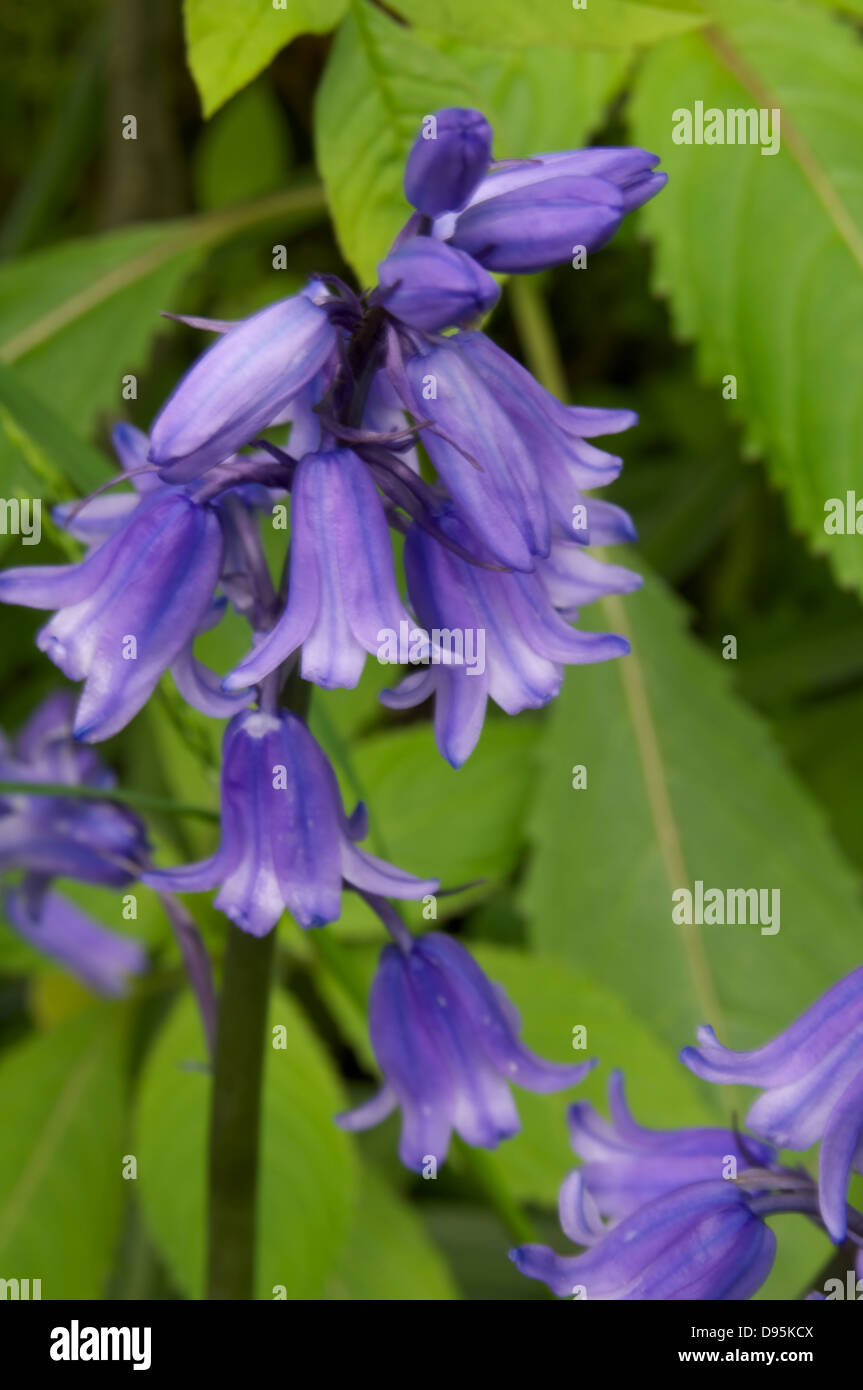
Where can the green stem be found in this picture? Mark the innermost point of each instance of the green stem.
(236, 1114)
(235, 1111)
(535, 331)
(145, 800)
(485, 1175)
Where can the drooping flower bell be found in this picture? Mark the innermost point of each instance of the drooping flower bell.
(129, 608)
(625, 1166)
(812, 1076)
(447, 160)
(532, 214)
(705, 1241)
(484, 464)
(243, 383)
(55, 836)
(556, 436)
(446, 1040)
(430, 285)
(103, 959)
(52, 836)
(286, 841)
(342, 590)
(520, 643)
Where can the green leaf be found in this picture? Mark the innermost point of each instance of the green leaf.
(229, 43)
(39, 455)
(434, 821)
(243, 153)
(307, 1172)
(79, 316)
(802, 1250)
(683, 783)
(512, 24)
(538, 98)
(389, 1255)
(762, 256)
(380, 81)
(61, 1098)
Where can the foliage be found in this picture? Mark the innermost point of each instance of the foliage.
(741, 772)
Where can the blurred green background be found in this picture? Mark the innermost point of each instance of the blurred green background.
(260, 125)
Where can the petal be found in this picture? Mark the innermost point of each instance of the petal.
(407, 1052)
(540, 1262)
(571, 577)
(202, 688)
(371, 1113)
(459, 714)
(59, 586)
(101, 958)
(578, 1213)
(98, 518)
(240, 385)
(531, 229)
(430, 285)
(306, 828)
(447, 159)
(491, 1027)
(132, 448)
(157, 594)
(376, 876)
(824, 1026)
(839, 1148)
(501, 499)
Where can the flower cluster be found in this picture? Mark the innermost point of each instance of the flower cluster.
(386, 411)
(54, 836)
(681, 1214)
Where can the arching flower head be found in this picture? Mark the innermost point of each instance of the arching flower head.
(446, 1040)
(129, 608)
(286, 841)
(812, 1080)
(701, 1242)
(625, 1166)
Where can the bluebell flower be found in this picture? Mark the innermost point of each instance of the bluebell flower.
(342, 590)
(129, 608)
(532, 214)
(812, 1076)
(625, 1166)
(49, 837)
(700, 1242)
(243, 383)
(286, 841)
(59, 929)
(628, 168)
(519, 642)
(101, 515)
(447, 160)
(446, 1040)
(55, 836)
(484, 463)
(556, 435)
(430, 285)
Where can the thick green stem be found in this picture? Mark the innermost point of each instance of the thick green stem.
(236, 1113)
